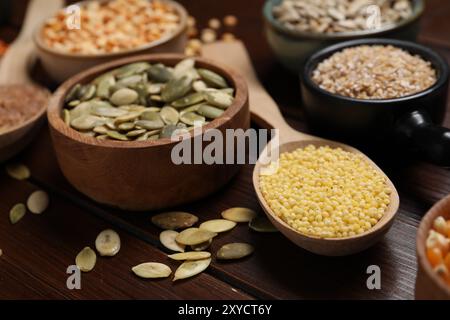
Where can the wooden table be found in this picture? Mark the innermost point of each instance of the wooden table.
(37, 251)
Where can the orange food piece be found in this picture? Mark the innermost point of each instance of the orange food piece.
(435, 256)
(447, 261)
(448, 228)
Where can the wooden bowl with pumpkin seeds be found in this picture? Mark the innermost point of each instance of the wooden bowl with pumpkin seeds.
(124, 170)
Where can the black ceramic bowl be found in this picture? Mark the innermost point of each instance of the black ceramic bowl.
(410, 122)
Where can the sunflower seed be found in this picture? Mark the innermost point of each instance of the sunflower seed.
(167, 238)
(107, 243)
(176, 89)
(189, 100)
(193, 236)
(218, 98)
(124, 96)
(86, 259)
(213, 79)
(37, 202)
(218, 225)
(17, 212)
(191, 268)
(261, 224)
(239, 214)
(209, 111)
(169, 115)
(18, 171)
(202, 246)
(199, 255)
(192, 119)
(174, 220)
(232, 251)
(152, 270)
(116, 135)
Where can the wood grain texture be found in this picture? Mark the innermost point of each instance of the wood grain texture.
(39, 248)
(278, 269)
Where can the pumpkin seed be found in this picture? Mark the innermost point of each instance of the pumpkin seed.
(18, 171)
(193, 236)
(66, 117)
(87, 92)
(154, 137)
(107, 111)
(126, 126)
(159, 73)
(109, 123)
(218, 98)
(150, 124)
(189, 100)
(183, 67)
(127, 118)
(152, 270)
(218, 225)
(144, 137)
(136, 133)
(213, 79)
(17, 212)
(107, 243)
(73, 103)
(131, 69)
(83, 108)
(102, 137)
(130, 80)
(176, 89)
(192, 119)
(232, 251)
(262, 224)
(191, 268)
(104, 86)
(167, 238)
(73, 93)
(169, 115)
(199, 85)
(86, 259)
(116, 135)
(124, 96)
(209, 111)
(229, 91)
(202, 246)
(87, 122)
(37, 202)
(100, 130)
(174, 220)
(199, 255)
(239, 214)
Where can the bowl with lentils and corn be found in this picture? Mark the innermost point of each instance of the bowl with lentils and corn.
(295, 29)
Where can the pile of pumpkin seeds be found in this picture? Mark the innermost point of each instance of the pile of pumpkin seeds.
(198, 240)
(143, 101)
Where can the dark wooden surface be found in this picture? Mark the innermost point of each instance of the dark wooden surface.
(37, 251)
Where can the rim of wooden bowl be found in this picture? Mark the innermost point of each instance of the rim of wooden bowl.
(57, 101)
(384, 222)
(182, 27)
(38, 115)
(441, 208)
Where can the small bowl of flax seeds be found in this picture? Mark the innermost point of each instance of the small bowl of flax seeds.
(387, 91)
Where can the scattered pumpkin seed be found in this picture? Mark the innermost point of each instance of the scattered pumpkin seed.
(152, 270)
(86, 259)
(18, 171)
(191, 268)
(232, 251)
(107, 243)
(239, 214)
(167, 238)
(193, 236)
(174, 220)
(202, 246)
(37, 202)
(198, 255)
(17, 212)
(218, 225)
(262, 224)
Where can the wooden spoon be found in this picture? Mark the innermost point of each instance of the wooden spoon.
(16, 87)
(266, 114)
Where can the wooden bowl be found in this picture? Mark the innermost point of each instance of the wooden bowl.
(15, 139)
(61, 66)
(141, 175)
(428, 284)
(328, 246)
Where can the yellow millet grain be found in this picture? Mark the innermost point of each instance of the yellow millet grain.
(326, 192)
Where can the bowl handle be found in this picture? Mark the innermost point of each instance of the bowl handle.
(417, 131)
